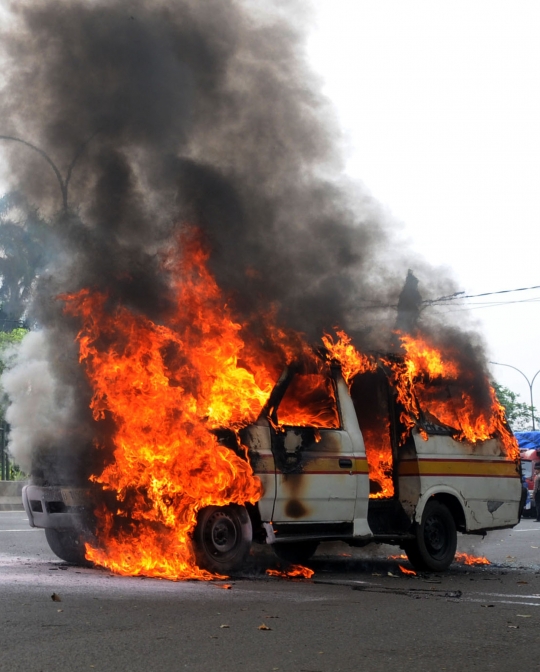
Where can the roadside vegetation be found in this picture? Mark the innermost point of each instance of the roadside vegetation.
(518, 413)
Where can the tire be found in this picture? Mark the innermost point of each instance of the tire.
(67, 545)
(296, 551)
(435, 545)
(222, 538)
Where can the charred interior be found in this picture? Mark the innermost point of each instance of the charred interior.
(370, 393)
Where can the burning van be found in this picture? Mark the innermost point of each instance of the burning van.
(167, 404)
(348, 447)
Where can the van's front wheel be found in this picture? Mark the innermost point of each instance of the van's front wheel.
(67, 544)
(434, 547)
(222, 538)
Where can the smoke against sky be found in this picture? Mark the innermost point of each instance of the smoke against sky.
(441, 124)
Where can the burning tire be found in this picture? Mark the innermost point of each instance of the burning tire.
(296, 551)
(222, 538)
(434, 548)
(67, 545)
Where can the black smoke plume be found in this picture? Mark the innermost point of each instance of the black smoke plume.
(186, 111)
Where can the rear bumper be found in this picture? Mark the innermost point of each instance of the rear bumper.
(56, 507)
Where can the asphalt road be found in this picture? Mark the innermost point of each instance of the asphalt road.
(357, 613)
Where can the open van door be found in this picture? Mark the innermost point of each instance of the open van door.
(314, 456)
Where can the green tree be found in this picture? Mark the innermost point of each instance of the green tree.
(518, 413)
(22, 243)
(7, 340)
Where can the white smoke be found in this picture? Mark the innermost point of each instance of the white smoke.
(40, 408)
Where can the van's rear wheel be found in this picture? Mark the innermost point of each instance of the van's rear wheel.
(434, 547)
(67, 545)
(222, 538)
(296, 551)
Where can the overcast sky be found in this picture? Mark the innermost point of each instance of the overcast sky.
(440, 104)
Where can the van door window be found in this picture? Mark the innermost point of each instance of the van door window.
(310, 401)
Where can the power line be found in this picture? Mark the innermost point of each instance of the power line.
(462, 295)
(478, 306)
(442, 300)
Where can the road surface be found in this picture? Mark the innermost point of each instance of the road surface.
(357, 613)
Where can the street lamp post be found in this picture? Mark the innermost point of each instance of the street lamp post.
(530, 383)
(62, 181)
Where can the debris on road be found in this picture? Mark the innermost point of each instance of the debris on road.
(56, 598)
(453, 593)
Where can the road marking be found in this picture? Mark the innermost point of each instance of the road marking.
(523, 604)
(21, 520)
(443, 593)
(533, 529)
(26, 530)
(520, 597)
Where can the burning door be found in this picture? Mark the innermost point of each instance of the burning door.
(315, 459)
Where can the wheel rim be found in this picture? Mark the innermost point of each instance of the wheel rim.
(435, 536)
(221, 534)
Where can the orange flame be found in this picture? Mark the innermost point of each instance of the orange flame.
(377, 440)
(467, 559)
(351, 361)
(409, 572)
(422, 379)
(449, 402)
(380, 460)
(310, 401)
(165, 387)
(294, 572)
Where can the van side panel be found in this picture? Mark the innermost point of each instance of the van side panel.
(322, 487)
(486, 483)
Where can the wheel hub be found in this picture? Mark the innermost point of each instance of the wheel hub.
(223, 532)
(434, 534)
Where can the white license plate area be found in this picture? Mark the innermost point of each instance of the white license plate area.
(74, 497)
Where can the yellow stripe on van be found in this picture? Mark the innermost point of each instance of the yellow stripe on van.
(430, 467)
(361, 465)
(330, 465)
(318, 465)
